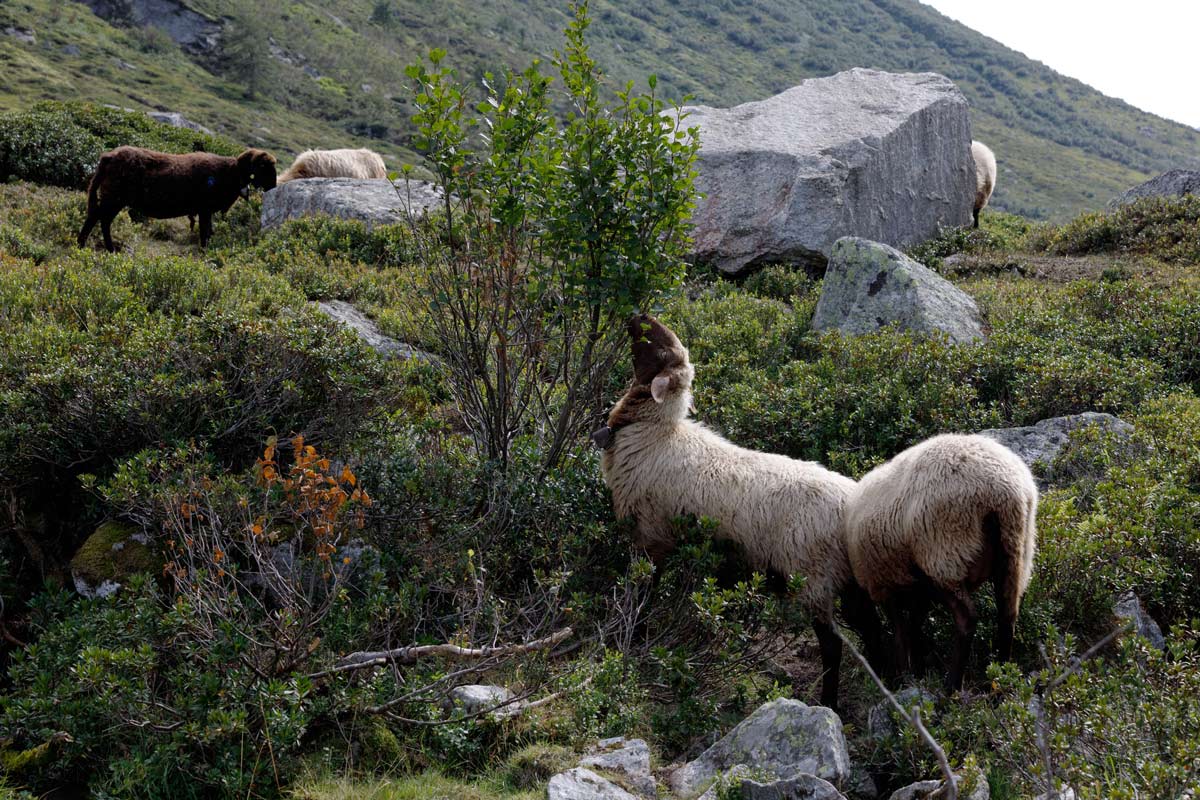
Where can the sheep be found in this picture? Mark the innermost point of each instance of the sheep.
(164, 185)
(785, 514)
(934, 523)
(985, 176)
(361, 164)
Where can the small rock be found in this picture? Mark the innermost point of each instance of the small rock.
(583, 784)
(869, 285)
(177, 120)
(70, 50)
(932, 790)
(1129, 607)
(881, 720)
(369, 332)
(860, 785)
(366, 88)
(21, 34)
(474, 698)
(1065, 793)
(1175, 183)
(780, 738)
(108, 557)
(629, 758)
(799, 787)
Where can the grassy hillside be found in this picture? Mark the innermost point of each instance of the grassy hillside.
(331, 74)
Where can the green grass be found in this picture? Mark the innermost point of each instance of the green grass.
(426, 786)
(1062, 147)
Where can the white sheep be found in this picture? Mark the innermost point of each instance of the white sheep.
(362, 164)
(934, 523)
(785, 514)
(985, 176)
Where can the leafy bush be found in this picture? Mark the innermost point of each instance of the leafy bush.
(59, 143)
(1166, 227)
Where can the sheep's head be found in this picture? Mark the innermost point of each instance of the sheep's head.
(662, 379)
(257, 167)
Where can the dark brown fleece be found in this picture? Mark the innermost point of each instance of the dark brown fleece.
(164, 185)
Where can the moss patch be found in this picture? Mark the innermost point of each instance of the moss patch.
(113, 553)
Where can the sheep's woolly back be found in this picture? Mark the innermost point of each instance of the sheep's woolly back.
(785, 514)
(985, 173)
(362, 164)
(931, 508)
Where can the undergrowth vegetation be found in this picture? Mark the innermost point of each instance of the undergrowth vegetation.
(335, 547)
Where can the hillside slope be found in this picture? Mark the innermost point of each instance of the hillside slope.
(331, 73)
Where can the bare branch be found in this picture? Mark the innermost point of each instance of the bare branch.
(912, 717)
(413, 653)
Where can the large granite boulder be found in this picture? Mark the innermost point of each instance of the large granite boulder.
(374, 202)
(1042, 442)
(862, 153)
(1175, 183)
(869, 285)
(366, 329)
(781, 738)
(192, 31)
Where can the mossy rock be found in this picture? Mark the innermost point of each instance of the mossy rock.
(110, 556)
(535, 764)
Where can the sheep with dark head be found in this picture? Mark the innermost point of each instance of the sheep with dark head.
(165, 185)
(932, 525)
(786, 515)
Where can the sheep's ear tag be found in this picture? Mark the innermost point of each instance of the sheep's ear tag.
(603, 437)
(659, 386)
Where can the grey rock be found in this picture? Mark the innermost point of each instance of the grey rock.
(177, 120)
(1065, 793)
(1175, 183)
(629, 758)
(1129, 607)
(192, 31)
(21, 34)
(583, 784)
(71, 50)
(349, 316)
(860, 785)
(881, 722)
(781, 737)
(933, 790)
(474, 698)
(866, 153)
(1042, 442)
(869, 285)
(374, 202)
(799, 787)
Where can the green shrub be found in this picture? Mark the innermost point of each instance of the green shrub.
(59, 143)
(1167, 228)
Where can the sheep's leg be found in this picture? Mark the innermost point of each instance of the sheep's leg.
(106, 220)
(861, 616)
(962, 607)
(976, 225)
(831, 661)
(1007, 620)
(92, 218)
(920, 601)
(894, 609)
(205, 229)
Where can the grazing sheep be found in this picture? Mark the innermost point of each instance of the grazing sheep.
(985, 176)
(934, 523)
(785, 514)
(361, 164)
(164, 185)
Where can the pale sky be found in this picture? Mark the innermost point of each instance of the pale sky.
(1146, 52)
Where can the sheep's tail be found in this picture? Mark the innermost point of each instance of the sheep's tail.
(1012, 532)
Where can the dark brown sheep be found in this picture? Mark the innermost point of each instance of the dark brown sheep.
(163, 185)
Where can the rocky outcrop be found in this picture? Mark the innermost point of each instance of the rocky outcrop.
(21, 34)
(177, 120)
(869, 285)
(583, 784)
(627, 759)
(374, 202)
(1042, 442)
(349, 316)
(782, 738)
(1129, 608)
(107, 558)
(192, 31)
(866, 153)
(1175, 183)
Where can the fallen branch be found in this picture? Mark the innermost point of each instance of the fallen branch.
(913, 718)
(411, 654)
